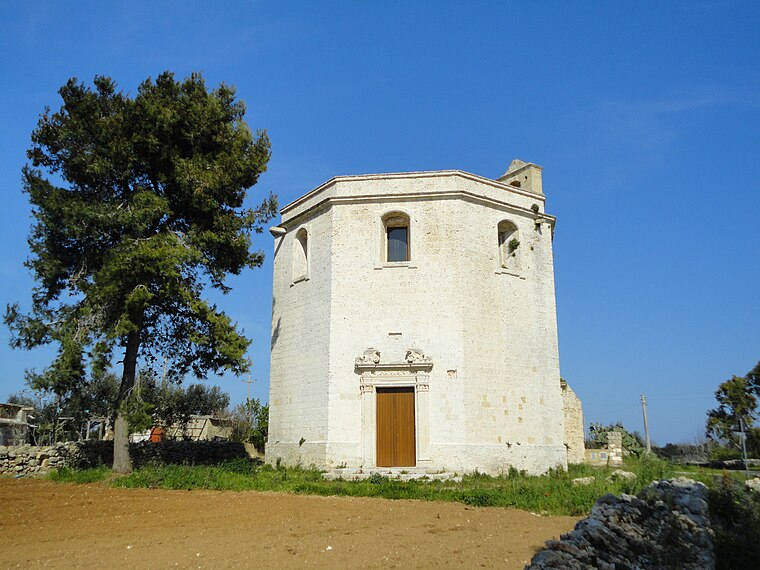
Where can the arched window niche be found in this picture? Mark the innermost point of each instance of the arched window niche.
(396, 235)
(509, 245)
(301, 256)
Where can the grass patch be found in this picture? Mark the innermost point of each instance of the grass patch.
(66, 475)
(552, 493)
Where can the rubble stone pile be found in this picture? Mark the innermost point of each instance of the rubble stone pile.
(666, 526)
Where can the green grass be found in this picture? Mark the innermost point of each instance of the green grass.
(552, 493)
(67, 475)
(709, 476)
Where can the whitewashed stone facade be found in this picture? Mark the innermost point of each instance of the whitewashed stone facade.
(468, 322)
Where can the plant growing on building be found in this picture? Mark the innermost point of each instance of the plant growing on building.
(138, 207)
(512, 246)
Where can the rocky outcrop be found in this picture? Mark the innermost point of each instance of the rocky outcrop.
(29, 460)
(665, 526)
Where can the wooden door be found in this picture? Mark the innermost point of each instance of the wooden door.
(395, 428)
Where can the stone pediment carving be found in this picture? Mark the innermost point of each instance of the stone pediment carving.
(370, 357)
(416, 356)
(414, 360)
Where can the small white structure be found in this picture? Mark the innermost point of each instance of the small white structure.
(414, 325)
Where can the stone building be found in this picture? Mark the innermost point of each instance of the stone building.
(15, 428)
(414, 325)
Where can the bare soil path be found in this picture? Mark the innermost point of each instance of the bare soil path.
(45, 524)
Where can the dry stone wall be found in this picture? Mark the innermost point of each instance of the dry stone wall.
(29, 460)
(666, 526)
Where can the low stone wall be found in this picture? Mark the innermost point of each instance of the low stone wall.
(732, 464)
(666, 526)
(29, 460)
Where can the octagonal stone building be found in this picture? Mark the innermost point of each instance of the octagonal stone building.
(414, 325)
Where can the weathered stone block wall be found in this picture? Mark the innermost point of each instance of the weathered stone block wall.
(298, 403)
(574, 426)
(666, 526)
(38, 460)
(13, 433)
(612, 454)
(615, 447)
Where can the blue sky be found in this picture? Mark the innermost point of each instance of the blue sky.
(645, 117)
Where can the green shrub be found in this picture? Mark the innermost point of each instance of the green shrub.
(376, 479)
(650, 468)
(724, 453)
(633, 443)
(735, 516)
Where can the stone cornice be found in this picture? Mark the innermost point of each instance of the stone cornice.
(406, 175)
(458, 194)
(395, 367)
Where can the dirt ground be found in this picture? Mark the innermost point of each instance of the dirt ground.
(45, 524)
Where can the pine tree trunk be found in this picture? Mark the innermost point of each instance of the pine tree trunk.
(122, 463)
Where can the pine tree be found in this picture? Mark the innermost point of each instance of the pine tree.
(138, 207)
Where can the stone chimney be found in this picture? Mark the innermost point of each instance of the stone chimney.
(524, 175)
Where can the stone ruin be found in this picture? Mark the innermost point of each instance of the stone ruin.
(612, 454)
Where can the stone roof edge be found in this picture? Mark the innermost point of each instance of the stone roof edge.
(420, 174)
(431, 196)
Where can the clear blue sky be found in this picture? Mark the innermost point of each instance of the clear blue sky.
(645, 116)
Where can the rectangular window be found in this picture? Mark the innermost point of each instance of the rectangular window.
(398, 244)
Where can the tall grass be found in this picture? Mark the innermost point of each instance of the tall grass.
(552, 493)
(735, 517)
(66, 475)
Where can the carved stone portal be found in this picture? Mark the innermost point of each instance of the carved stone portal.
(413, 371)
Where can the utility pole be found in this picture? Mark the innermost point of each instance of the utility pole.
(163, 374)
(646, 422)
(744, 447)
(248, 399)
